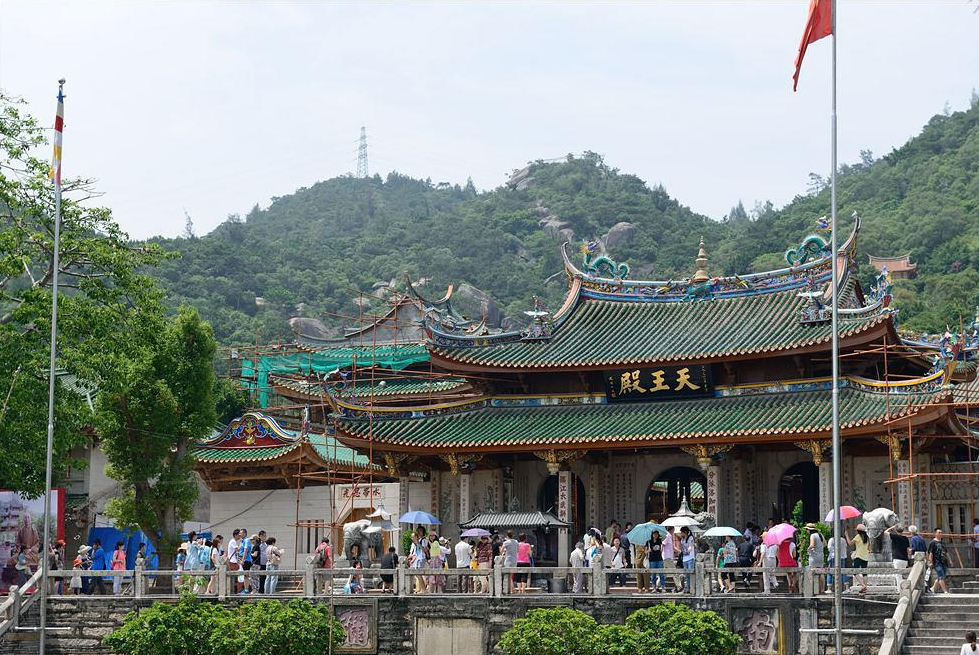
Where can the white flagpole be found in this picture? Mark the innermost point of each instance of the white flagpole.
(51, 371)
(837, 446)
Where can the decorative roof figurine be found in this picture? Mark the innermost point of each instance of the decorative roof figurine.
(701, 275)
(540, 329)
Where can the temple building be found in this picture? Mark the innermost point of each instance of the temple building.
(635, 394)
(630, 397)
(900, 267)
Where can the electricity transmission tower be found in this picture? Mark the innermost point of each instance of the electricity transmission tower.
(362, 154)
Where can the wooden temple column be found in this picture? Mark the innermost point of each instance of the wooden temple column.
(465, 496)
(435, 487)
(595, 487)
(736, 512)
(563, 513)
(713, 491)
(902, 468)
(825, 489)
(712, 471)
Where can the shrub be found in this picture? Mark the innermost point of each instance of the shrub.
(164, 629)
(622, 640)
(196, 627)
(678, 630)
(553, 631)
(296, 628)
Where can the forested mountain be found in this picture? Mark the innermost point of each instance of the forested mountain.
(309, 253)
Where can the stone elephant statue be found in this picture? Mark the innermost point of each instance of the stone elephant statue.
(876, 521)
(353, 534)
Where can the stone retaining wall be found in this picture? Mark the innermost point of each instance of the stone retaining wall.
(446, 625)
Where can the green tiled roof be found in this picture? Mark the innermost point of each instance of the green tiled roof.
(228, 455)
(363, 387)
(333, 451)
(613, 332)
(325, 446)
(790, 414)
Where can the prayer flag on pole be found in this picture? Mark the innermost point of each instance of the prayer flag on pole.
(59, 124)
(819, 25)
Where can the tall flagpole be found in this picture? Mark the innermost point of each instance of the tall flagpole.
(56, 174)
(837, 446)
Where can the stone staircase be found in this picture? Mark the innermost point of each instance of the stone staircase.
(940, 623)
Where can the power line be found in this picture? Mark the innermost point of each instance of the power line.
(362, 154)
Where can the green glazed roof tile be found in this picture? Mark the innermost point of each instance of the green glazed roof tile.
(795, 413)
(613, 332)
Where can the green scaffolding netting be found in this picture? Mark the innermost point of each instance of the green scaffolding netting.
(326, 361)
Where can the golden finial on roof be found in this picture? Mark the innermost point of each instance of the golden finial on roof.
(701, 275)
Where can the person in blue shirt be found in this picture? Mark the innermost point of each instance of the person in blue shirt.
(245, 558)
(100, 562)
(918, 544)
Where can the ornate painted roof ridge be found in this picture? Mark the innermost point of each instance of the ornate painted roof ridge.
(386, 387)
(810, 264)
(258, 437)
(778, 416)
(251, 429)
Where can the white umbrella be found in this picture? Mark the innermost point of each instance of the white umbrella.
(723, 531)
(679, 522)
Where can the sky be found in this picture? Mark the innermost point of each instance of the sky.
(211, 107)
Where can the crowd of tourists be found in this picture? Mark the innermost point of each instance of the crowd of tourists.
(195, 565)
(666, 561)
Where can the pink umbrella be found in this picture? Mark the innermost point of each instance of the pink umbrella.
(846, 512)
(779, 533)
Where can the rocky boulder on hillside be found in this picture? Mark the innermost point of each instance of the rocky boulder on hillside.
(476, 305)
(622, 232)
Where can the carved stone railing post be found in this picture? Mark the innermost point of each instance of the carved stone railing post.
(138, 581)
(17, 596)
(309, 581)
(497, 579)
(808, 583)
(222, 573)
(400, 582)
(701, 577)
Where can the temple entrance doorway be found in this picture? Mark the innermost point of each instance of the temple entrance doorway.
(665, 492)
(799, 482)
(547, 502)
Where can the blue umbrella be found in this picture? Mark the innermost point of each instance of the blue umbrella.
(644, 531)
(722, 531)
(423, 518)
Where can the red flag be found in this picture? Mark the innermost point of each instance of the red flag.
(820, 24)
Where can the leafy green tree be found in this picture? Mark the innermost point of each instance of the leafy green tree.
(552, 631)
(100, 289)
(674, 629)
(150, 414)
(230, 400)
